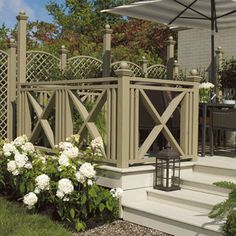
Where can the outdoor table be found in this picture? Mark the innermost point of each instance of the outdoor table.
(204, 108)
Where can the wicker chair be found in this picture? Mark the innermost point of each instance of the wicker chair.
(223, 120)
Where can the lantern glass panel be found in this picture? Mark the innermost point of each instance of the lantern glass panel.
(167, 175)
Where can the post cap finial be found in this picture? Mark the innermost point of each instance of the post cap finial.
(124, 65)
(124, 70)
(22, 12)
(107, 26)
(194, 72)
(63, 46)
(170, 37)
(12, 40)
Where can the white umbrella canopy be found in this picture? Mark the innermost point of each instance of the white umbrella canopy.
(206, 14)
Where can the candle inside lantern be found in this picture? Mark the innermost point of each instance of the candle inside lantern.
(167, 180)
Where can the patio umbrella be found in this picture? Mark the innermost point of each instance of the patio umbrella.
(206, 14)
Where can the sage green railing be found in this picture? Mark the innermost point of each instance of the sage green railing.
(47, 108)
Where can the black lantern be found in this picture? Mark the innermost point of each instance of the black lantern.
(167, 170)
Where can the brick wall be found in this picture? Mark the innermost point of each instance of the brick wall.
(194, 47)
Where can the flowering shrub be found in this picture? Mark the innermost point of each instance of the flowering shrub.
(205, 91)
(63, 182)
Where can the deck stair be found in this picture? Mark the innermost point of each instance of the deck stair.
(183, 212)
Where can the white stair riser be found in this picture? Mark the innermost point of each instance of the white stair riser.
(214, 170)
(166, 225)
(180, 202)
(205, 188)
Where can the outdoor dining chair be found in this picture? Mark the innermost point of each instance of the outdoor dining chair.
(223, 120)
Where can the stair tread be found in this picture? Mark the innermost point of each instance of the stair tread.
(218, 162)
(186, 194)
(175, 213)
(204, 177)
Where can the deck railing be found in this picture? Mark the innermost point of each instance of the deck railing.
(47, 114)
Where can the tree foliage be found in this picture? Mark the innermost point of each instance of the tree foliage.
(79, 25)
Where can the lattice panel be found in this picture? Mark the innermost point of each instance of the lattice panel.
(3, 93)
(157, 72)
(39, 66)
(85, 67)
(137, 70)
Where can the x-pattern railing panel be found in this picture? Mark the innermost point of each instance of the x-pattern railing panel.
(114, 94)
(3, 93)
(160, 123)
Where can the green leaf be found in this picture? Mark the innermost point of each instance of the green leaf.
(22, 188)
(101, 207)
(80, 226)
(60, 213)
(92, 192)
(109, 205)
(72, 213)
(83, 199)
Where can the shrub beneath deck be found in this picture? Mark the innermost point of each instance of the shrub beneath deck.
(63, 182)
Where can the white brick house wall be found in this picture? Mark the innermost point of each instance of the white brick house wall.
(194, 47)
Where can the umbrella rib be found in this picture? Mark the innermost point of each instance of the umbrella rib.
(182, 12)
(193, 18)
(226, 14)
(189, 7)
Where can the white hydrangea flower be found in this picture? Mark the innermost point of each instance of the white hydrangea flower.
(60, 194)
(87, 170)
(65, 186)
(42, 158)
(28, 166)
(63, 160)
(20, 160)
(66, 199)
(80, 178)
(117, 193)
(28, 147)
(65, 145)
(90, 182)
(11, 166)
(19, 141)
(9, 149)
(37, 190)
(97, 143)
(42, 182)
(30, 200)
(71, 152)
(16, 172)
(206, 85)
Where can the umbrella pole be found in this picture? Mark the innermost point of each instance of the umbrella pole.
(213, 15)
(213, 72)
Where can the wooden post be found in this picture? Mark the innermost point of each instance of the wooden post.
(123, 110)
(106, 55)
(170, 56)
(189, 117)
(21, 46)
(63, 57)
(21, 70)
(219, 62)
(176, 70)
(144, 67)
(194, 77)
(11, 96)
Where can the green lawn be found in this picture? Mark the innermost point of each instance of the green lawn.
(15, 221)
